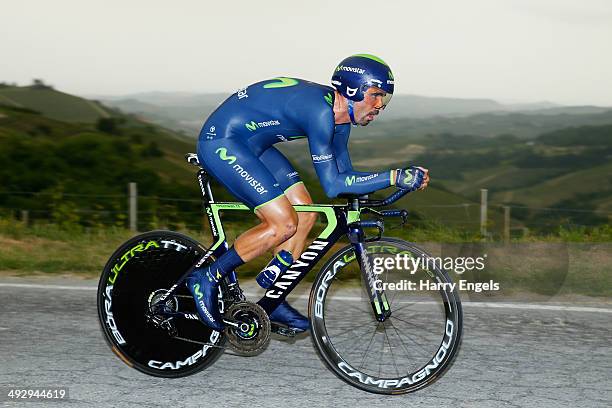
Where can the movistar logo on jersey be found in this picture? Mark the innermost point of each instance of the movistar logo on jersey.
(253, 126)
(350, 69)
(281, 82)
(350, 180)
(328, 98)
(318, 158)
(408, 178)
(222, 152)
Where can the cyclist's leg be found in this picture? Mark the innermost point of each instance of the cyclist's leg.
(237, 168)
(242, 172)
(278, 223)
(295, 191)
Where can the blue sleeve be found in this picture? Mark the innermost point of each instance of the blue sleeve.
(332, 162)
(341, 150)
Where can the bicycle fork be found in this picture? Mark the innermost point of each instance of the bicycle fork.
(377, 296)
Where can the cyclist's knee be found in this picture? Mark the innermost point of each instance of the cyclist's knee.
(284, 228)
(289, 230)
(278, 232)
(280, 220)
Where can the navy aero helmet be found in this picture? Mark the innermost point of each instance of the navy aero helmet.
(355, 74)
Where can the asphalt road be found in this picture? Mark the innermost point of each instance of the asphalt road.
(515, 357)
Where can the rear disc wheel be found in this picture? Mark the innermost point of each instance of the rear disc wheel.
(134, 278)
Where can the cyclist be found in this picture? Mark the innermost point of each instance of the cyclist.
(236, 146)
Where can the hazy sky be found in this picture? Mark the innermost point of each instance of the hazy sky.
(514, 50)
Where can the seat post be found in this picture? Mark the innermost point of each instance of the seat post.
(204, 181)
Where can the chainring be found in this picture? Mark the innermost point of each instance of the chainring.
(253, 341)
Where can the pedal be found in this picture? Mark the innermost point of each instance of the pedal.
(282, 330)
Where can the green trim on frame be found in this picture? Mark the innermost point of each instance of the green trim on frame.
(327, 209)
(352, 216)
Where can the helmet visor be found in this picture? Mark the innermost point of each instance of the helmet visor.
(383, 98)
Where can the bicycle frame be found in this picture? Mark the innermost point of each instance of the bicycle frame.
(342, 220)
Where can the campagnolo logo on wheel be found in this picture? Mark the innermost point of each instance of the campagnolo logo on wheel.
(190, 360)
(422, 374)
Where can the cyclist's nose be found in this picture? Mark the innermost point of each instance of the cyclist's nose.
(379, 103)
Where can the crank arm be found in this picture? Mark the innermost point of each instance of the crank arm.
(242, 326)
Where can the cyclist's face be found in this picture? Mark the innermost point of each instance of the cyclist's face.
(366, 111)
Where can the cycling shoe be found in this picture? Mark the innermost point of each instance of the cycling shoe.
(204, 288)
(285, 314)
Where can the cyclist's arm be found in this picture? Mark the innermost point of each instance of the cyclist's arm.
(341, 150)
(333, 165)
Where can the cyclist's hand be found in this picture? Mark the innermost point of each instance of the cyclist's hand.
(411, 179)
(425, 179)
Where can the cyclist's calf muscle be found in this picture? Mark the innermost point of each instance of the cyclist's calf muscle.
(299, 195)
(281, 227)
(279, 223)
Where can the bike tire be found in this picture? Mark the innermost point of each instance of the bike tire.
(324, 344)
(145, 263)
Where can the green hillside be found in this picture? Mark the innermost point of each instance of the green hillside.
(408, 115)
(565, 175)
(551, 191)
(566, 168)
(75, 172)
(59, 165)
(53, 104)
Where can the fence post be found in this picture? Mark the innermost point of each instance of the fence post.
(483, 211)
(25, 217)
(506, 223)
(133, 206)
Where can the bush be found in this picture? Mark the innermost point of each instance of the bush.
(108, 125)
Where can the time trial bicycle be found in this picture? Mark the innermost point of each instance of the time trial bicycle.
(368, 326)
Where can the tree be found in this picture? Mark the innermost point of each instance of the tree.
(107, 125)
(38, 83)
(152, 150)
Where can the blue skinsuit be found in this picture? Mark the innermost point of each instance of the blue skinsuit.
(236, 142)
